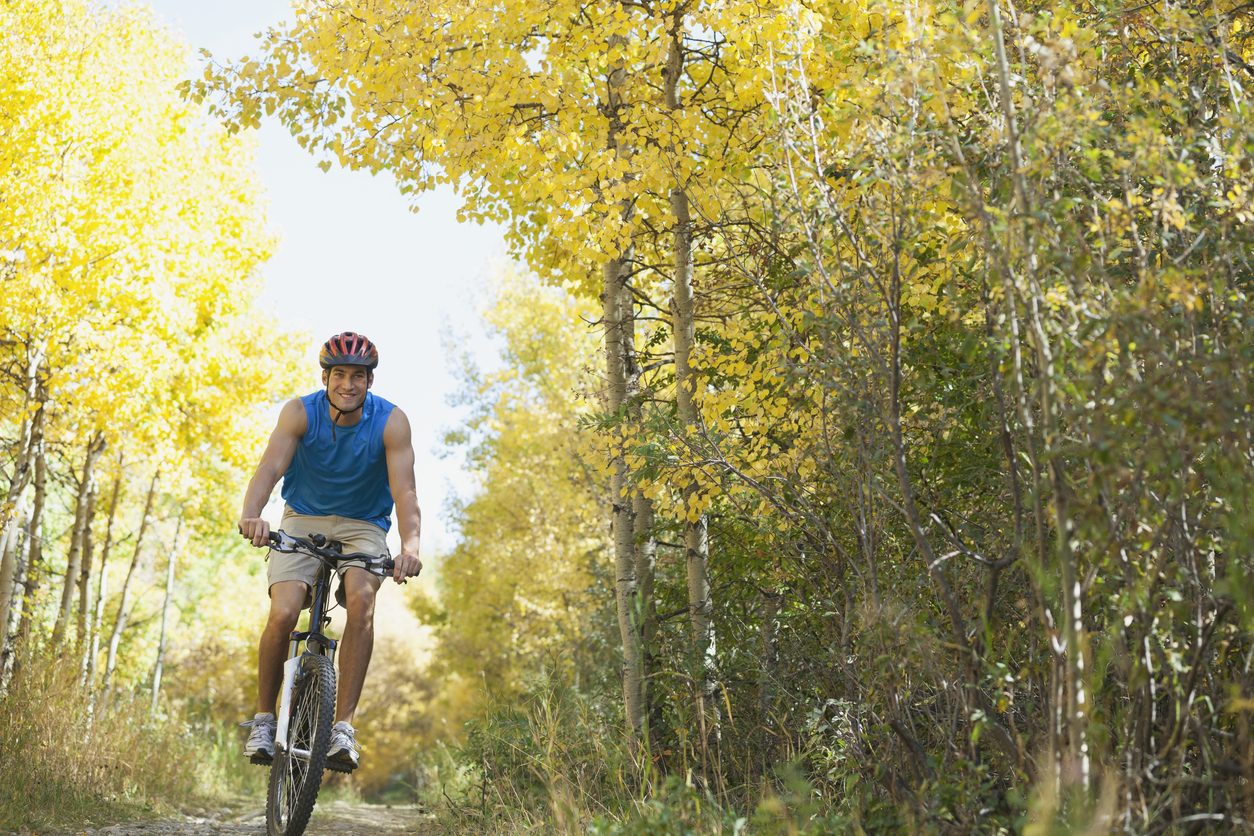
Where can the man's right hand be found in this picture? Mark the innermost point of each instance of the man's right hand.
(256, 530)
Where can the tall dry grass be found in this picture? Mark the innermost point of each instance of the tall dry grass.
(66, 758)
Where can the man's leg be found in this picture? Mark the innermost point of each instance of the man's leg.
(286, 600)
(358, 642)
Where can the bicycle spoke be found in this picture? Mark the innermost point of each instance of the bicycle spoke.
(298, 770)
(304, 724)
(284, 805)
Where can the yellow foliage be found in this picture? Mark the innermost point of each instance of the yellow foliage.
(131, 232)
(517, 587)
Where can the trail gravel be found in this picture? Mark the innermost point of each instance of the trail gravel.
(338, 818)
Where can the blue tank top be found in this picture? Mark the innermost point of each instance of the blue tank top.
(348, 476)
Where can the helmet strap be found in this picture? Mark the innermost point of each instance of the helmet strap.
(340, 413)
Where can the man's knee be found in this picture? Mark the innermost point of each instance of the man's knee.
(287, 599)
(359, 601)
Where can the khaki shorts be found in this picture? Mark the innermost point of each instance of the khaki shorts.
(356, 535)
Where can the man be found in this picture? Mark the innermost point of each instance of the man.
(344, 454)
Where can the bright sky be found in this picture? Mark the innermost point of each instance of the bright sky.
(353, 257)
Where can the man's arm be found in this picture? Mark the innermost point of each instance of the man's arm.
(400, 456)
(274, 463)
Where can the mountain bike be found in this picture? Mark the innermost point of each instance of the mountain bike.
(307, 699)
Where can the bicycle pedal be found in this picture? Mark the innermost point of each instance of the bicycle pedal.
(261, 760)
(340, 766)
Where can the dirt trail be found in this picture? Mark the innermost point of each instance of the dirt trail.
(338, 818)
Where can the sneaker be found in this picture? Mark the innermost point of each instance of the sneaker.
(343, 744)
(261, 739)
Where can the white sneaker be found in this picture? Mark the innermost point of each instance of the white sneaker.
(261, 739)
(343, 744)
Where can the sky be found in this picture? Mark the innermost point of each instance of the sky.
(353, 257)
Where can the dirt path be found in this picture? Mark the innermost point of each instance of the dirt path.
(335, 819)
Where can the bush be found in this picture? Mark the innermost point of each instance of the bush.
(67, 756)
(553, 759)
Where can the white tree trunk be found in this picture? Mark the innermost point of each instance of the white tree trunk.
(696, 531)
(9, 551)
(84, 575)
(102, 588)
(30, 445)
(644, 546)
(165, 615)
(119, 622)
(35, 549)
(618, 320)
(86, 485)
(622, 525)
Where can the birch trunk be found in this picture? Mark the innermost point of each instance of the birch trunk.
(27, 430)
(618, 316)
(102, 588)
(622, 524)
(84, 576)
(10, 553)
(74, 562)
(696, 530)
(644, 546)
(30, 435)
(119, 622)
(8, 559)
(165, 615)
(35, 549)
(1075, 676)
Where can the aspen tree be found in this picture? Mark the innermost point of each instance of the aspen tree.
(34, 551)
(27, 433)
(695, 523)
(96, 619)
(132, 230)
(510, 129)
(85, 573)
(86, 486)
(119, 621)
(171, 562)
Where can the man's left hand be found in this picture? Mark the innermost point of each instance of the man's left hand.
(406, 566)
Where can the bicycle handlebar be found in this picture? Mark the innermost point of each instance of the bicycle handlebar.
(320, 547)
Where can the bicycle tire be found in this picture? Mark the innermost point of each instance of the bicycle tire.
(295, 781)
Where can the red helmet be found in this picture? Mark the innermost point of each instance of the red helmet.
(348, 349)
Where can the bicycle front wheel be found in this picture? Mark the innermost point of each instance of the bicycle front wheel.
(296, 774)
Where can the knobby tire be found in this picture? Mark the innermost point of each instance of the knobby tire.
(294, 782)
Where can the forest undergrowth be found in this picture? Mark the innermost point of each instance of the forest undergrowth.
(69, 758)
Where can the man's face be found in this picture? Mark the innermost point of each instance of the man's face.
(346, 386)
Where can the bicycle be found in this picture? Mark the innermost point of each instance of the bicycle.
(307, 699)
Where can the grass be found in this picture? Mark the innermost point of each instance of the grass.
(69, 758)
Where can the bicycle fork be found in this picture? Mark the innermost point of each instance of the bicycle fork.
(291, 668)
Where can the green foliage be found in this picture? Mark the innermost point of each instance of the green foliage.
(677, 809)
(552, 758)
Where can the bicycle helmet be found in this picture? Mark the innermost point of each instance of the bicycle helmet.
(348, 349)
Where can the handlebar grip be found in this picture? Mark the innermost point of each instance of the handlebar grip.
(275, 538)
(388, 564)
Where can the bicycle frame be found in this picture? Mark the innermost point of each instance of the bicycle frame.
(313, 638)
(315, 642)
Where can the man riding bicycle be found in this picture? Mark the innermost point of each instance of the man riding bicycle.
(345, 456)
